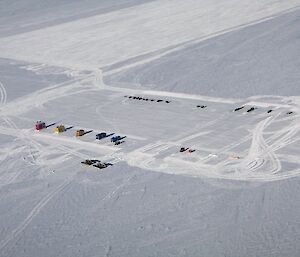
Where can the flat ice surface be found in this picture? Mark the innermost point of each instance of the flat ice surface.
(21, 16)
(116, 36)
(237, 194)
(263, 59)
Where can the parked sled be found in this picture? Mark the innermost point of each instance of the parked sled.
(90, 162)
(101, 135)
(39, 125)
(119, 142)
(100, 165)
(251, 109)
(79, 133)
(115, 139)
(183, 149)
(60, 129)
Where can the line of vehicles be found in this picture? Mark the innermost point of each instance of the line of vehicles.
(81, 132)
(115, 139)
(198, 106)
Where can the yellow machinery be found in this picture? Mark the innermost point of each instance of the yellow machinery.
(59, 129)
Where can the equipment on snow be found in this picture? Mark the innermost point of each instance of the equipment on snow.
(251, 109)
(59, 129)
(101, 135)
(100, 165)
(39, 125)
(115, 139)
(89, 162)
(79, 133)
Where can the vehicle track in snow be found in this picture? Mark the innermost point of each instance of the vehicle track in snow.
(260, 154)
(149, 155)
(287, 136)
(19, 134)
(44, 95)
(11, 124)
(3, 93)
(32, 214)
(40, 97)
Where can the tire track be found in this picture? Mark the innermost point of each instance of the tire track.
(287, 138)
(27, 141)
(33, 213)
(3, 93)
(260, 153)
(44, 95)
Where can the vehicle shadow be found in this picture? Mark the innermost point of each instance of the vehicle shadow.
(87, 132)
(52, 124)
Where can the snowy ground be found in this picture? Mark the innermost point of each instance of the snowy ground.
(235, 195)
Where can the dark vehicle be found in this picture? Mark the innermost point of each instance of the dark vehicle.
(90, 162)
(100, 165)
(119, 142)
(101, 135)
(251, 109)
(115, 139)
(183, 149)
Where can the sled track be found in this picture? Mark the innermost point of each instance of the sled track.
(68, 88)
(3, 98)
(288, 137)
(27, 141)
(255, 164)
(34, 212)
(260, 153)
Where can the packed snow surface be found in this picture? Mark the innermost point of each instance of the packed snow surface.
(116, 36)
(216, 78)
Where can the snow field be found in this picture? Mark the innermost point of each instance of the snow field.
(236, 195)
(113, 37)
(224, 147)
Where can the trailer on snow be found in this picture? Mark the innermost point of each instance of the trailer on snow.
(79, 133)
(101, 135)
(59, 129)
(39, 125)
